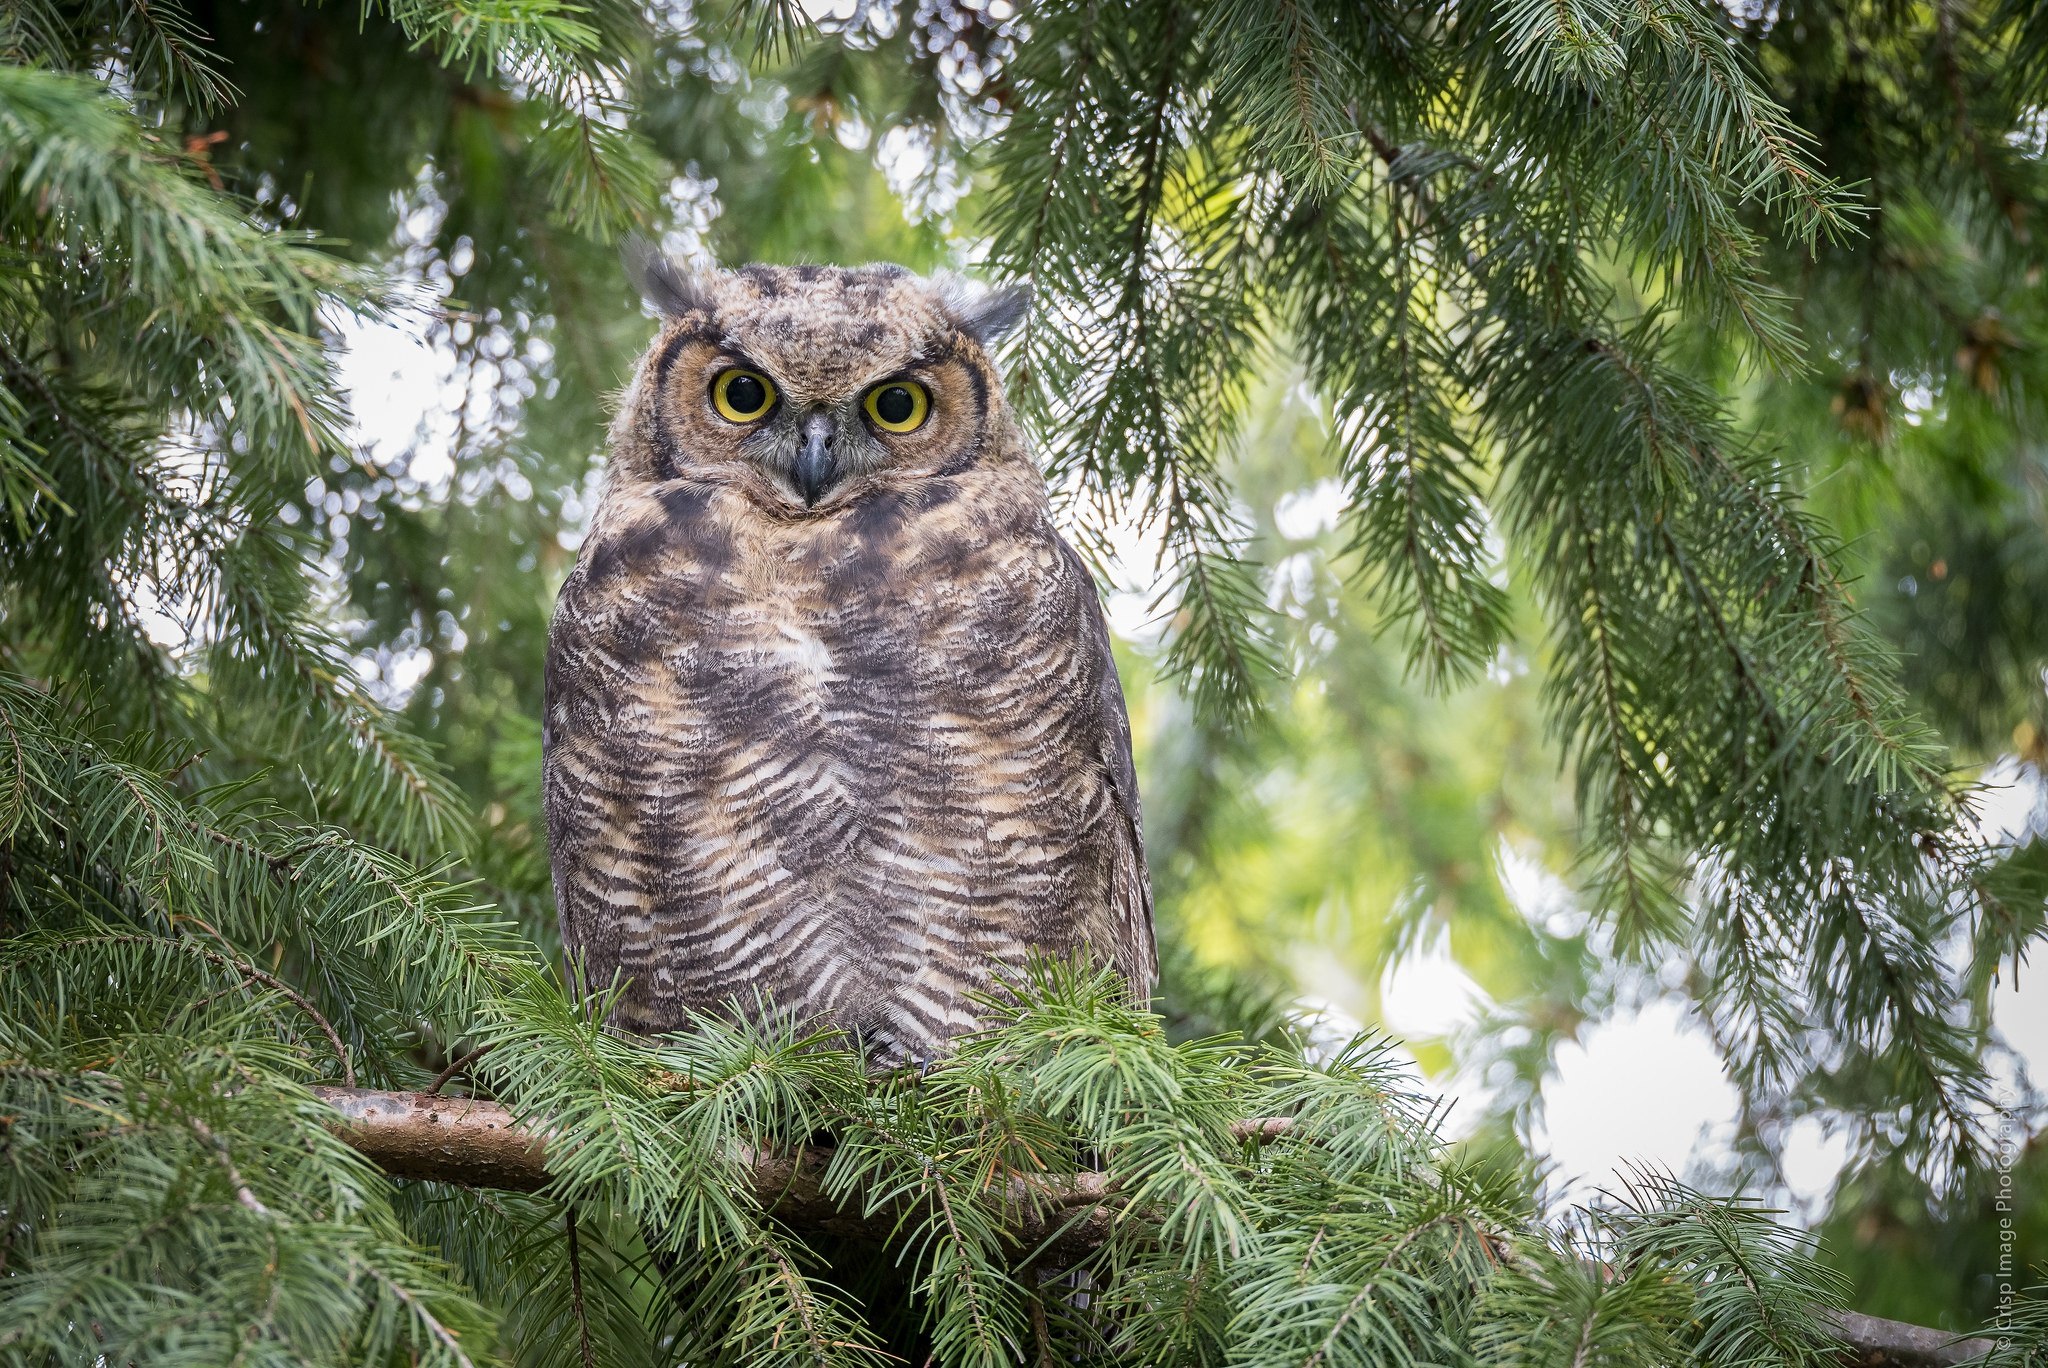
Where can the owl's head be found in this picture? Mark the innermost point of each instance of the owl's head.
(806, 385)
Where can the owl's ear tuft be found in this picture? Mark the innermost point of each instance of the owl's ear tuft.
(668, 286)
(989, 315)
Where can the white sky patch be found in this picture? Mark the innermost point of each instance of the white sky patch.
(1539, 895)
(2009, 800)
(1291, 584)
(402, 396)
(1136, 579)
(1131, 617)
(2019, 1010)
(1428, 995)
(692, 204)
(1811, 1158)
(172, 632)
(928, 186)
(392, 673)
(1641, 1088)
(1301, 514)
(2011, 805)
(1325, 1027)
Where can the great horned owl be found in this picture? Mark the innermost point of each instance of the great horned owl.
(831, 714)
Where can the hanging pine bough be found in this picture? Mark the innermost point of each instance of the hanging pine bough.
(1480, 226)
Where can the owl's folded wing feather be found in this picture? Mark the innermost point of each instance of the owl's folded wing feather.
(1136, 954)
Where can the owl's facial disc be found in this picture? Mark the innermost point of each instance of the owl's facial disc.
(810, 387)
(814, 439)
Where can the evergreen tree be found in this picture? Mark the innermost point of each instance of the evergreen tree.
(1592, 293)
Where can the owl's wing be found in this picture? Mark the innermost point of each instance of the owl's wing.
(590, 799)
(570, 802)
(1137, 955)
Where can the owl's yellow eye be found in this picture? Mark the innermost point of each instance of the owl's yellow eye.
(898, 406)
(742, 396)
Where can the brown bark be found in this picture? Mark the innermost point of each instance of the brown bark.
(1878, 1343)
(450, 1139)
(478, 1144)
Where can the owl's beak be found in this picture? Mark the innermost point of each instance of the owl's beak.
(814, 463)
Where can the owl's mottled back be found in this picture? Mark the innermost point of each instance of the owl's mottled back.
(831, 715)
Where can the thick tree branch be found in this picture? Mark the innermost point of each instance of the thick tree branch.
(1879, 1343)
(479, 1144)
(448, 1139)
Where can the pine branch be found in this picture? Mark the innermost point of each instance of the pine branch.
(252, 974)
(1060, 1220)
(1874, 1342)
(478, 1143)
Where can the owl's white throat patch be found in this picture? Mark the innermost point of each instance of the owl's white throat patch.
(804, 652)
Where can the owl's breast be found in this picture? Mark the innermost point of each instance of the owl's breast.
(862, 628)
(848, 759)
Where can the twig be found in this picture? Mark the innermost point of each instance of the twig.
(457, 1066)
(576, 1290)
(1874, 1342)
(243, 1194)
(1041, 1332)
(427, 1318)
(251, 973)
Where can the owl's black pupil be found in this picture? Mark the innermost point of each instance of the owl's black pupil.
(894, 405)
(745, 394)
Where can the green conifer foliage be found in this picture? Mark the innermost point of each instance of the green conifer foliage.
(174, 1194)
(1569, 278)
(1493, 232)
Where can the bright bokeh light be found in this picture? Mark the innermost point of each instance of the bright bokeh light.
(403, 396)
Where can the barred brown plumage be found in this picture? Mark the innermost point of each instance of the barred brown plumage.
(832, 719)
